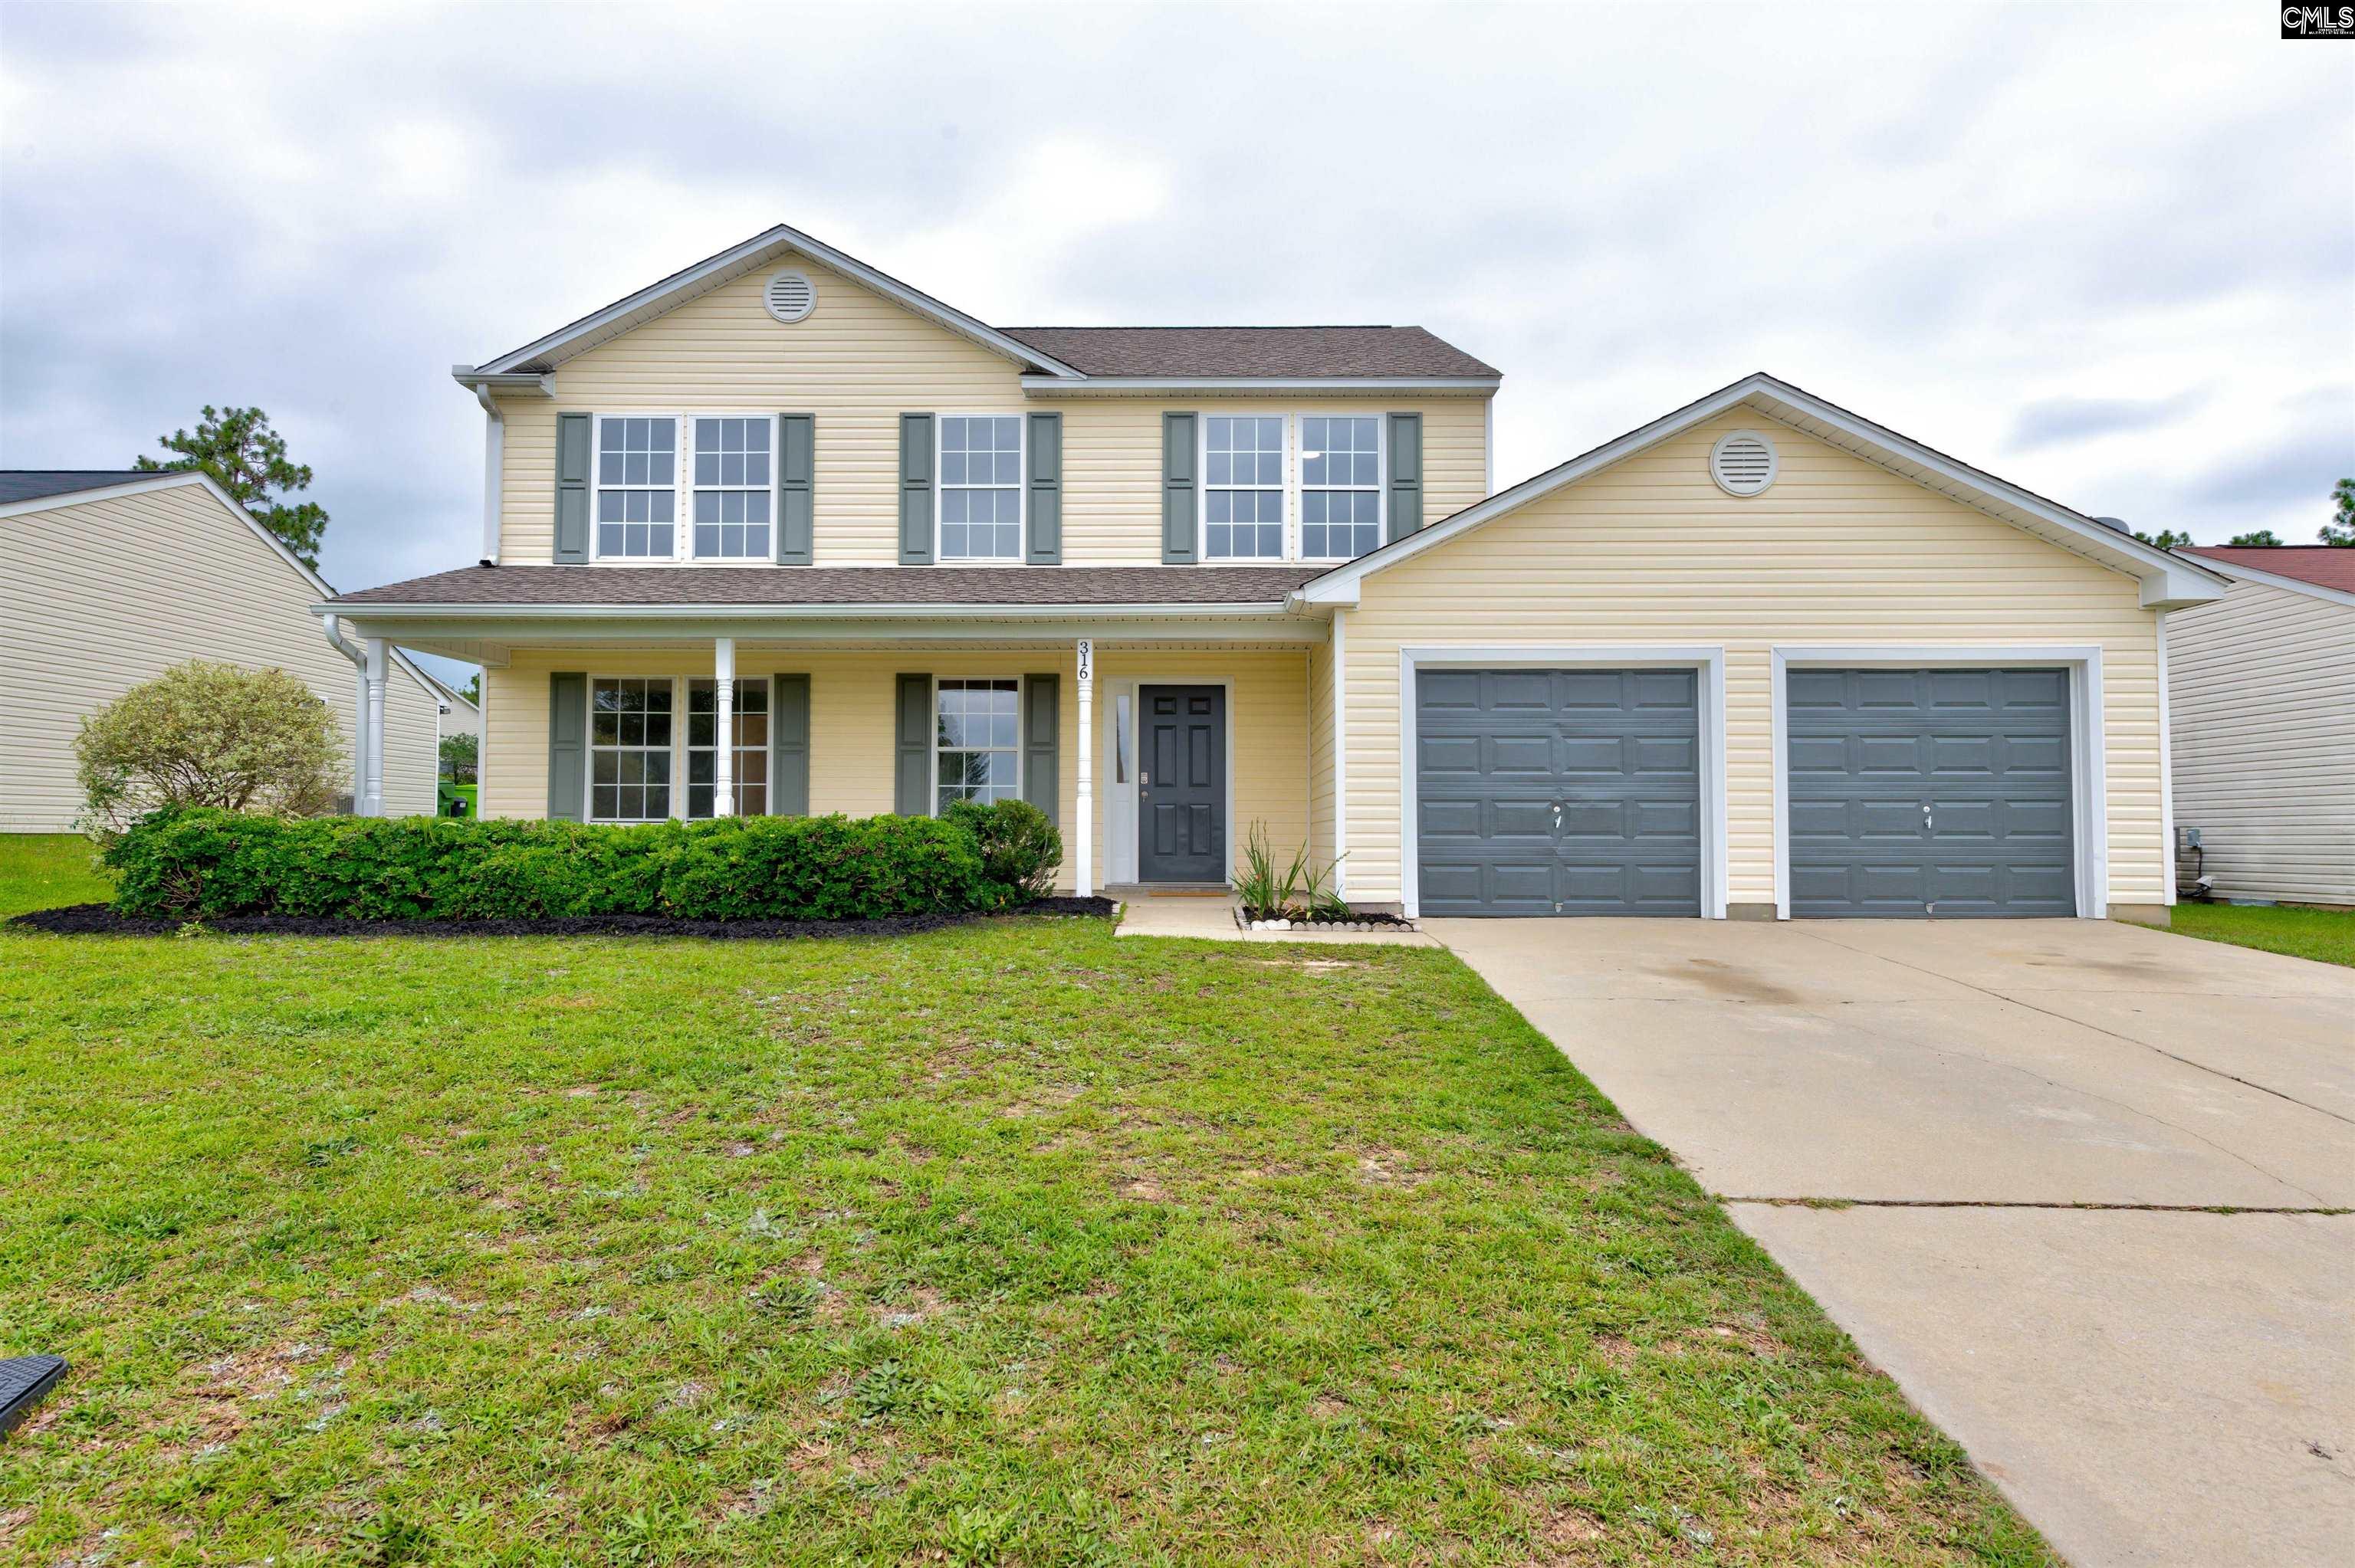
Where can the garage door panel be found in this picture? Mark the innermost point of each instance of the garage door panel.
(1986, 750)
(1617, 750)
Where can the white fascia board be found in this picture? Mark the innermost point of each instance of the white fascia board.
(447, 635)
(524, 381)
(2167, 582)
(686, 284)
(2239, 573)
(1229, 386)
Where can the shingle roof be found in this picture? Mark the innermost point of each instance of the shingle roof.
(36, 483)
(2325, 566)
(1405, 353)
(727, 587)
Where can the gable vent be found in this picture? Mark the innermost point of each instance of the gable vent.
(790, 297)
(1743, 462)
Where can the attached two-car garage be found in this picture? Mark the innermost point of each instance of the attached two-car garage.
(1908, 792)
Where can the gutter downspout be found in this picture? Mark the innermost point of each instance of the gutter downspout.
(333, 626)
(494, 445)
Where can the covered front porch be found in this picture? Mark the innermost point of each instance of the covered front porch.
(1156, 754)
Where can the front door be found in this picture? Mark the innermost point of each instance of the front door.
(1182, 784)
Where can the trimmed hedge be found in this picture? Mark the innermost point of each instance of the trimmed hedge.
(208, 864)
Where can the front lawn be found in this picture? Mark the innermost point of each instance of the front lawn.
(41, 871)
(2326, 935)
(1005, 1244)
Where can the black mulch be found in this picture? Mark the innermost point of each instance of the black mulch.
(98, 920)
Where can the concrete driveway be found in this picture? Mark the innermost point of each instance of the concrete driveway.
(2034, 1122)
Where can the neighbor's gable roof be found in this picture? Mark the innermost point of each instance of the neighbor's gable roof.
(1104, 359)
(2167, 580)
(29, 490)
(2300, 567)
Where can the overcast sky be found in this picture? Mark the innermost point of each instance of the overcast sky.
(2107, 251)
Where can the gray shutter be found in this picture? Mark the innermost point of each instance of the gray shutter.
(574, 451)
(789, 747)
(1406, 474)
(1041, 735)
(568, 747)
(912, 790)
(1179, 528)
(1045, 450)
(796, 464)
(916, 490)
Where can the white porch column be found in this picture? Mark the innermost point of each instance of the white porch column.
(1086, 824)
(371, 801)
(723, 707)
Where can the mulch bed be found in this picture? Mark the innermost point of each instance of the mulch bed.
(99, 920)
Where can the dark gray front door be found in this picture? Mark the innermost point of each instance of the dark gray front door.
(1558, 791)
(1182, 784)
(1921, 792)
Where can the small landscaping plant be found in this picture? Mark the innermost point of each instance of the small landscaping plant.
(208, 864)
(1298, 892)
(208, 735)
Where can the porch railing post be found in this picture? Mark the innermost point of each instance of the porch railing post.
(1085, 815)
(723, 734)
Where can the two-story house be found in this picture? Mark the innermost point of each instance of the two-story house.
(781, 534)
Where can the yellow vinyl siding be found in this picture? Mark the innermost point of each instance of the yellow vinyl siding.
(857, 362)
(853, 749)
(2263, 699)
(1321, 845)
(1650, 551)
(101, 595)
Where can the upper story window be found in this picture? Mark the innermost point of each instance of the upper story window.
(981, 487)
(637, 487)
(1340, 486)
(1242, 488)
(731, 488)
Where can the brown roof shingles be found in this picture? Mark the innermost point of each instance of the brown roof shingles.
(2325, 566)
(1401, 353)
(726, 587)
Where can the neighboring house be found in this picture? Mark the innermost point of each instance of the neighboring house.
(2262, 700)
(116, 576)
(1760, 656)
(459, 716)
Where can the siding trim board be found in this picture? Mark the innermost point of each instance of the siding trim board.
(1706, 662)
(2088, 782)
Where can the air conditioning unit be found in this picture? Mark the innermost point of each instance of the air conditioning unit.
(2190, 864)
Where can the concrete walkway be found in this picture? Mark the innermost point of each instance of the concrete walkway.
(2031, 1119)
(1211, 917)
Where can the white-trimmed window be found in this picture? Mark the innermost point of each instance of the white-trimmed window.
(629, 749)
(1340, 485)
(981, 487)
(1242, 487)
(637, 486)
(731, 493)
(749, 763)
(977, 741)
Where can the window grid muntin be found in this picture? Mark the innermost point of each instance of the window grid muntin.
(637, 486)
(1243, 485)
(1340, 485)
(980, 460)
(731, 473)
(977, 741)
(750, 723)
(630, 732)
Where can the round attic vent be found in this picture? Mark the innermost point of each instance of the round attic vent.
(1743, 462)
(790, 297)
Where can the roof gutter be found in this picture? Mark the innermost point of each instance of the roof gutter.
(495, 452)
(1117, 385)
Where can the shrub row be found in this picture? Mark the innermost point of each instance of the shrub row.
(208, 864)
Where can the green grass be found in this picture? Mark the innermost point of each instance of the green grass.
(41, 871)
(1005, 1244)
(2326, 935)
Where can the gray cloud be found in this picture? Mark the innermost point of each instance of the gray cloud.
(1982, 227)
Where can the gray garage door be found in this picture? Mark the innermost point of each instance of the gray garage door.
(1558, 791)
(1921, 792)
